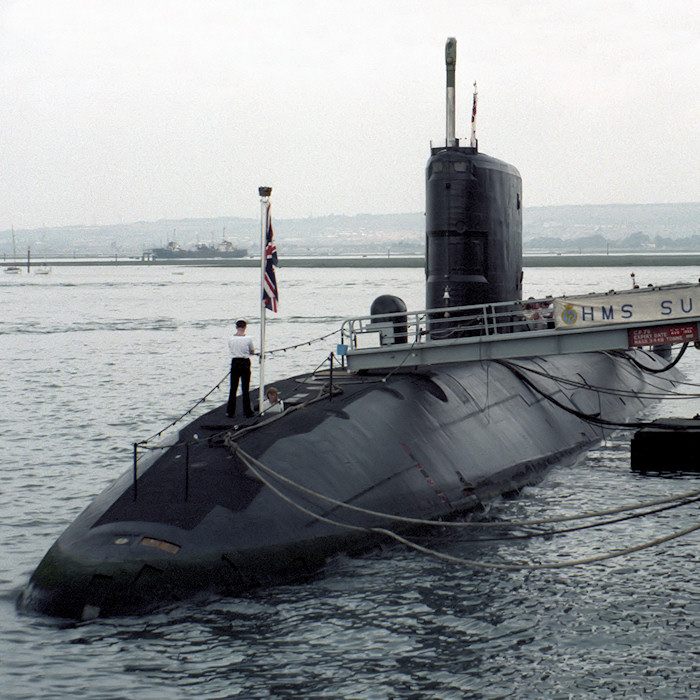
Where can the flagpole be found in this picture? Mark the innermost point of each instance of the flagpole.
(265, 193)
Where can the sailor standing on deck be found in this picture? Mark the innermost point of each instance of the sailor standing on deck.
(241, 348)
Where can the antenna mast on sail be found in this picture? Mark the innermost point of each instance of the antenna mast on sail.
(450, 66)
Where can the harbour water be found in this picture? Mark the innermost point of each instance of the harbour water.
(93, 359)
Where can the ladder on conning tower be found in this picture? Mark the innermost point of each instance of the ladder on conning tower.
(651, 316)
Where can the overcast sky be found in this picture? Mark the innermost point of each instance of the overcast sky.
(126, 110)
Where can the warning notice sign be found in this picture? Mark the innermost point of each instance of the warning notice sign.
(665, 335)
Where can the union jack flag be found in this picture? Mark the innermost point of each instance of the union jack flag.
(270, 294)
(472, 141)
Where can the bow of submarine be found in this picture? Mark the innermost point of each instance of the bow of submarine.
(427, 443)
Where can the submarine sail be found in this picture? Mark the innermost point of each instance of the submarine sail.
(224, 508)
(473, 225)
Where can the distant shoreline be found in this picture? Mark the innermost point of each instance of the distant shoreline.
(551, 260)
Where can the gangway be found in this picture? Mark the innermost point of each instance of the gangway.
(651, 316)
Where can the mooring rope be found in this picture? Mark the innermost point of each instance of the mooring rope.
(665, 503)
(251, 463)
(594, 419)
(658, 370)
(249, 460)
(520, 566)
(663, 393)
(237, 451)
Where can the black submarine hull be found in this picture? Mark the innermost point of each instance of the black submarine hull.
(431, 442)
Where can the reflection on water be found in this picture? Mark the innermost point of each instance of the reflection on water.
(93, 359)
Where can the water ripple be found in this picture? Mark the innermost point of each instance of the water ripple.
(116, 359)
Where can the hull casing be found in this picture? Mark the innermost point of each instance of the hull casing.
(431, 443)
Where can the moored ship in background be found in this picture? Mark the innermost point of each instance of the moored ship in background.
(225, 249)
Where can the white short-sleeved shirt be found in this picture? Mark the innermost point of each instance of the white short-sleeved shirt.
(241, 346)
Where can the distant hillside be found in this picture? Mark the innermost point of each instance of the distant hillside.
(617, 226)
(335, 234)
(596, 228)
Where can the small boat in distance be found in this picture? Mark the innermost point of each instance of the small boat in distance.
(13, 269)
(225, 249)
(43, 269)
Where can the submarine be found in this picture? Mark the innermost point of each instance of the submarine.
(358, 452)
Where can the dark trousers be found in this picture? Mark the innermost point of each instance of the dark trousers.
(240, 369)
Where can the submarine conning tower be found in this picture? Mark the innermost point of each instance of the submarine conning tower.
(473, 226)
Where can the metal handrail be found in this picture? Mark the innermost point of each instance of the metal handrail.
(445, 323)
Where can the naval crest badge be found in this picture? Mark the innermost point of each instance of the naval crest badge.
(569, 315)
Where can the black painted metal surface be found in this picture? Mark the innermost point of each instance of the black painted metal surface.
(430, 444)
(473, 229)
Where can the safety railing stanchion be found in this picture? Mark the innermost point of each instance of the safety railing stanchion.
(187, 470)
(136, 457)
